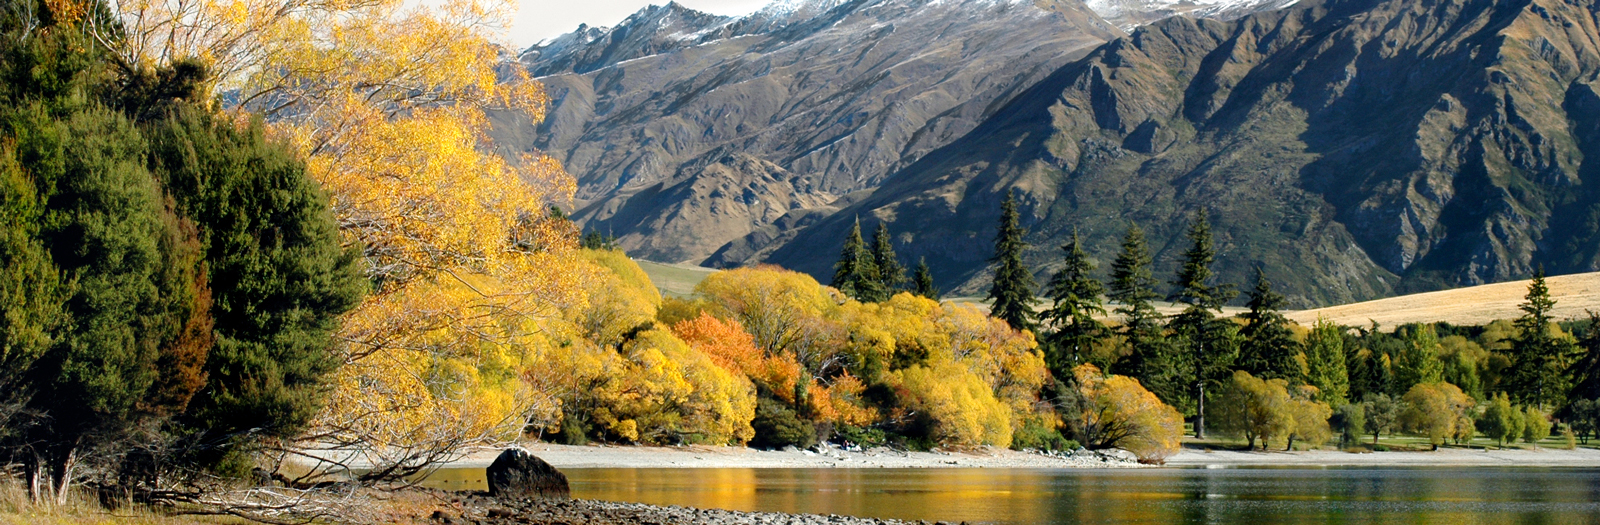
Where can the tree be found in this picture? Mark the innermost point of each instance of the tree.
(1076, 300)
(1585, 372)
(1436, 411)
(1539, 358)
(1012, 292)
(922, 281)
(1497, 421)
(1535, 426)
(1115, 411)
(1382, 413)
(1584, 415)
(1325, 357)
(1310, 418)
(278, 275)
(1255, 409)
(1132, 288)
(891, 274)
(1350, 420)
(856, 274)
(1418, 360)
(1268, 348)
(1208, 342)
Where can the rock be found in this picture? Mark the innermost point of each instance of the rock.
(516, 474)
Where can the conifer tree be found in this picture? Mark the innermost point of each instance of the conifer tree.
(856, 274)
(1539, 359)
(1208, 344)
(891, 274)
(922, 279)
(1585, 373)
(1132, 289)
(1012, 292)
(1267, 347)
(1076, 300)
(1417, 361)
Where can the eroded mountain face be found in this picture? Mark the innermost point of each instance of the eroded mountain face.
(1356, 148)
(1129, 14)
(688, 131)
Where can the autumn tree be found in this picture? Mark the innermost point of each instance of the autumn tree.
(1539, 357)
(1076, 298)
(856, 274)
(1268, 348)
(1012, 292)
(1496, 422)
(1132, 289)
(1115, 411)
(1436, 411)
(1255, 409)
(1209, 344)
(922, 281)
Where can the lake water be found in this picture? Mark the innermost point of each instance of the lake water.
(1453, 496)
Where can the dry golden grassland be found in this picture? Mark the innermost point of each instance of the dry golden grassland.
(1478, 305)
(674, 280)
(82, 509)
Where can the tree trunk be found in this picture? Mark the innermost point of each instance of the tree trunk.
(62, 470)
(38, 479)
(1200, 414)
(1291, 444)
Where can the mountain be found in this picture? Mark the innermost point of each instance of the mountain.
(687, 131)
(1353, 148)
(1129, 14)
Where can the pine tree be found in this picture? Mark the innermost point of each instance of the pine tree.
(1012, 292)
(1585, 373)
(922, 279)
(1132, 289)
(891, 274)
(1268, 349)
(1208, 343)
(1418, 361)
(856, 274)
(1538, 358)
(1076, 297)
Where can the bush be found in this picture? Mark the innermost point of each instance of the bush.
(1036, 435)
(1535, 427)
(864, 436)
(777, 426)
(573, 431)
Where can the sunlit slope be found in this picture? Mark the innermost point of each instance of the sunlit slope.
(1465, 306)
(674, 280)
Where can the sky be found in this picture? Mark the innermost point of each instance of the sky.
(541, 19)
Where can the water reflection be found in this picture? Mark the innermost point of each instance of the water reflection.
(1467, 496)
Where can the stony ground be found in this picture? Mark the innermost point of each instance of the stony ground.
(480, 509)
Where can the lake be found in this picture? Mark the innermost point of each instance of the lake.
(1256, 496)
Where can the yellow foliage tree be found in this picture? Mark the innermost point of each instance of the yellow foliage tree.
(960, 405)
(1438, 411)
(1116, 411)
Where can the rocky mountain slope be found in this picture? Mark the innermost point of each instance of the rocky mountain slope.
(687, 131)
(1355, 148)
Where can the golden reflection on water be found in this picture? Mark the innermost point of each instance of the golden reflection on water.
(1070, 496)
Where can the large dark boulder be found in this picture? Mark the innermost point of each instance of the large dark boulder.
(516, 474)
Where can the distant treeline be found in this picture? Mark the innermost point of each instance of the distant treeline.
(1198, 358)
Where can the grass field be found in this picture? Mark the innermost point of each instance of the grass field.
(674, 280)
(1478, 305)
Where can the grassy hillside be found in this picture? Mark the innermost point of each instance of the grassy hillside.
(1465, 306)
(674, 280)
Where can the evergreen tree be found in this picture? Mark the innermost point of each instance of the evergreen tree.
(1268, 348)
(278, 274)
(891, 274)
(1585, 373)
(1418, 360)
(922, 279)
(1132, 288)
(1208, 344)
(856, 273)
(1076, 300)
(1012, 292)
(1539, 359)
(1325, 356)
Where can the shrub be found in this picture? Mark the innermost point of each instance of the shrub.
(778, 426)
(1036, 435)
(1535, 427)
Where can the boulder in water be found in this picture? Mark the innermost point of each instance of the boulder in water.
(516, 474)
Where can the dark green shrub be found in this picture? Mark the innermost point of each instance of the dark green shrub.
(778, 426)
(1037, 436)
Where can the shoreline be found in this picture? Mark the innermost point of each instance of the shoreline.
(698, 456)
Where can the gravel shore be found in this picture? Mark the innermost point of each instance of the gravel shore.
(480, 509)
